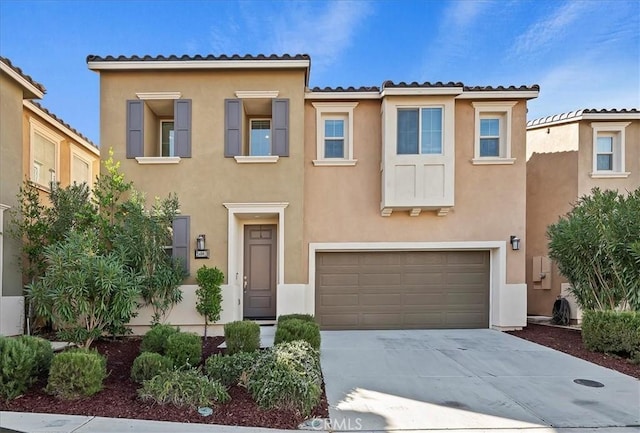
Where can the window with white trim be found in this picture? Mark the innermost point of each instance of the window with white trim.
(44, 154)
(167, 138)
(260, 138)
(420, 131)
(608, 149)
(81, 168)
(492, 136)
(334, 133)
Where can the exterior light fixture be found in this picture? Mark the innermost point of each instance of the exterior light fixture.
(201, 250)
(515, 243)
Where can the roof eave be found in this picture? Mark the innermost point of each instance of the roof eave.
(536, 123)
(30, 91)
(499, 94)
(342, 95)
(420, 91)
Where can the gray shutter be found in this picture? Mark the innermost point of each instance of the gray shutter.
(232, 127)
(182, 127)
(135, 128)
(280, 127)
(181, 240)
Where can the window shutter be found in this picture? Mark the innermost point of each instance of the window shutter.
(232, 127)
(280, 120)
(182, 127)
(135, 130)
(181, 240)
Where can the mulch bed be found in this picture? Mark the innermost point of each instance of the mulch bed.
(119, 397)
(570, 341)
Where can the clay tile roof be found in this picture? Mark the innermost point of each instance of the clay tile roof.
(534, 87)
(62, 122)
(22, 74)
(577, 113)
(347, 89)
(390, 84)
(185, 57)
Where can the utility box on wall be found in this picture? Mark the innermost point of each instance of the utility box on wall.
(541, 273)
(576, 312)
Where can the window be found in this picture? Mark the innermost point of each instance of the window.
(80, 171)
(492, 137)
(256, 127)
(419, 131)
(158, 128)
(44, 151)
(334, 133)
(609, 149)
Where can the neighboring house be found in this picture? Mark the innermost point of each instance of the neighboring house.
(567, 156)
(372, 208)
(38, 146)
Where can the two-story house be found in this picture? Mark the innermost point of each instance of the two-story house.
(38, 146)
(567, 156)
(372, 208)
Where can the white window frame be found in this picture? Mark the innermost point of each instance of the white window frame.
(259, 119)
(334, 111)
(163, 121)
(75, 153)
(419, 108)
(617, 131)
(158, 160)
(491, 110)
(36, 127)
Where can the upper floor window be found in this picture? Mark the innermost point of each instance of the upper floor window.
(256, 127)
(44, 154)
(608, 149)
(492, 137)
(80, 169)
(419, 131)
(334, 133)
(159, 127)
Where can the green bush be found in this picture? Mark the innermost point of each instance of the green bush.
(612, 332)
(184, 349)
(230, 369)
(18, 370)
(209, 294)
(76, 373)
(155, 340)
(304, 317)
(148, 365)
(183, 388)
(287, 376)
(296, 329)
(242, 336)
(43, 352)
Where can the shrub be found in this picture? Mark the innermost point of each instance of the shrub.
(296, 329)
(42, 350)
(76, 373)
(184, 349)
(18, 368)
(242, 336)
(612, 331)
(148, 365)
(287, 376)
(209, 294)
(304, 317)
(155, 340)
(230, 369)
(183, 388)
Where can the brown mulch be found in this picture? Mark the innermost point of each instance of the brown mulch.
(570, 341)
(119, 397)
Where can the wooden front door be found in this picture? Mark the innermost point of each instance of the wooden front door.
(260, 268)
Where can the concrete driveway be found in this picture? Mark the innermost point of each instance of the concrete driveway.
(468, 379)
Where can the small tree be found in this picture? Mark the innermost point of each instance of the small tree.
(209, 294)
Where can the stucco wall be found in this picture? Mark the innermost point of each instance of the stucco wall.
(207, 180)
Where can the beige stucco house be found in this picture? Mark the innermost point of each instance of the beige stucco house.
(567, 156)
(38, 146)
(372, 208)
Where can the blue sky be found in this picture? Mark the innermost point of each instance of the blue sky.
(583, 54)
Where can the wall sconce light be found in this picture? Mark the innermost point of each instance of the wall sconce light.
(201, 250)
(515, 243)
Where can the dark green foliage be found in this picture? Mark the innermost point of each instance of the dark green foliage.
(183, 388)
(612, 332)
(230, 369)
(76, 373)
(296, 329)
(155, 340)
(42, 350)
(18, 370)
(148, 365)
(209, 294)
(184, 349)
(597, 248)
(242, 336)
(287, 376)
(304, 317)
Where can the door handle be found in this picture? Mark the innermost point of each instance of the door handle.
(244, 284)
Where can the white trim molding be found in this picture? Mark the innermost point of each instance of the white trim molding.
(157, 160)
(197, 64)
(617, 131)
(342, 95)
(36, 127)
(257, 94)
(342, 110)
(158, 95)
(248, 159)
(502, 110)
(76, 153)
(37, 93)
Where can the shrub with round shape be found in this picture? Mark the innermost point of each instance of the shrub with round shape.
(184, 349)
(149, 364)
(183, 388)
(155, 340)
(242, 336)
(76, 373)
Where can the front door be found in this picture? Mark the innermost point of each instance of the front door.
(259, 279)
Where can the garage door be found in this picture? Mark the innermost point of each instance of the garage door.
(402, 290)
